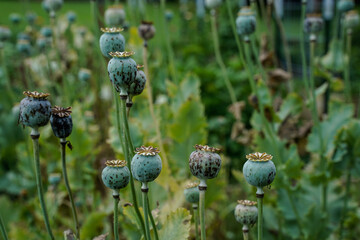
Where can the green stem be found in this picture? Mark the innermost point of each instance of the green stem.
(302, 48)
(219, 58)
(347, 197)
(144, 190)
(245, 231)
(256, 53)
(152, 220)
(116, 212)
(35, 137)
(196, 220)
(73, 208)
(3, 229)
(260, 196)
(6, 75)
(347, 66)
(202, 189)
(297, 216)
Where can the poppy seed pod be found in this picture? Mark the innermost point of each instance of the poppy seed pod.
(191, 193)
(15, 18)
(46, 31)
(111, 41)
(71, 17)
(205, 162)
(24, 47)
(246, 212)
(31, 17)
(212, 3)
(42, 43)
(122, 71)
(313, 23)
(146, 30)
(115, 16)
(259, 170)
(146, 164)
(84, 74)
(54, 179)
(352, 19)
(35, 109)
(5, 33)
(245, 22)
(138, 86)
(116, 174)
(61, 121)
(53, 5)
(345, 5)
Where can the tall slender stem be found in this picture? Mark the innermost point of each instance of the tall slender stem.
(260, 197)
(219, 58)
(202, 190)
(245, 231)
(256, 53)
(3, 229)
(347, 66)
(116, 212)
(152, 220)
(144, 190)
(302, 48)
(63, 143)
(6, 75)
(35, 135)
(196, 220)
(345, 208)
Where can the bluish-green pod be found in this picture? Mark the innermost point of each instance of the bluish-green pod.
(116, 174)
(31, 17)
(71, 17)
(111, 41)
(15, 18)
(54, 179)
(23, 36)
(115, 16)
(138, 86)
(35, 109)
(191, 193)
(212, 3)
(46, 31)
(245, 22)
(84, 74)
(61, 121)
(146, 165)
(24, 47)
(42, 42)
(259, 170)
(205, 162)
(5, 33)
(246, 212)
(352, 19)
(122, 72)
(313, 23)
(345, 5)
(53, 5)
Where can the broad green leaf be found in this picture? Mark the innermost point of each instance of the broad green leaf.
(176, 226)
(291, 105)
(93, 225)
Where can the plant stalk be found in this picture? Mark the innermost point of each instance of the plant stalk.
(202, 190)
(3, 229)
(260, 197)
(35, 135)
(63, 143)
(302, 48)
(116, 212)
(144, 190)
(345, 208)
(245, 231)
(196, 220)
(152, 220)
(347, 66)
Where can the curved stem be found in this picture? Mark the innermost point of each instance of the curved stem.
(347, 67)
(144, 190)
(245, 231)
(3, 229)
(202, 189)
(219, 58)
(196, 220)
(35, 138)
(63, 143)
(116, 212)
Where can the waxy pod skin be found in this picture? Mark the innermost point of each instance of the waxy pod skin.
(205, 162)
(146, 165)
(246, 212)
(116, 174)
(191, 193)
(61, 121)
(35, 109)
(111, 41)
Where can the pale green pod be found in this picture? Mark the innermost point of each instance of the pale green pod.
(111, 41)
(313, 23)
(352, 19)
(115, 175)
(246, 212)
(191, 193)
(35, 109)
(245, 22)
(115, 16)
(345, 5)
(146, 165)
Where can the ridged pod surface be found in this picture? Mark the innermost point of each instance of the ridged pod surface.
(191, 193)
(61, 121)
(205, 162)
(146, 165)
(259, 170)
(246, 212)
(111, 41)
(116, 174)
(35, 109)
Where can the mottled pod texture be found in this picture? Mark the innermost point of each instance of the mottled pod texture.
(61, 126)
(111, 42)
(137, 87)
(115, 177)
(245, 24)
(146, 30)
(34, 112)
(245, 214)
(259, 173)
(192, 194)
(313, 23)
(204, 165)
(146, 168)
(345, 5)
(115, 16)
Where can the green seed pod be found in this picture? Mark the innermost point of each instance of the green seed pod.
(313, 23)
(245, 22)
(138, 86)
(111, 41)
(53, 5)
(116, 174)
(15, 18)
(146, 164)
(246, 212)
(46, 31)
(352, 19)
(42, 43)
(115, 16)
(212, 3)
(71, 17)
(61, 121)
(259, 170)
(31, 17)
(122, 72)
(146, 30)
(191, 193)
(54, 179)
(205, 162)
(35, 109)
(5, 33)
(24, 47)
(84, 74)
(345, 5)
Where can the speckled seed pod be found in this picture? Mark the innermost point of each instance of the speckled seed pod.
(205, 162)
(146, 164)
(146, 30)
(35, 109)
(71, 17)
(122, 72)
(84, 74)
(15, 18)
(191, 193)
(313, 23)
(169, 15)
(245, 23)
(45, 6)
(61, 121)
(46, 31)
(352, 19)
(246, 212)
(345, 5)
(111, 41)
(31, 17)
(42, 43)
(54, 179)
(115, 16)
(54, 5)
(212, 3)
(5, 33)
(24, 47)
(138, 86)
(115, 175)
(259, 170)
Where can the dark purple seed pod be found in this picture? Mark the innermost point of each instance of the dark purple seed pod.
(146, 30)
(61, 121)
(116, 174)
(35, 109)
(205, 162)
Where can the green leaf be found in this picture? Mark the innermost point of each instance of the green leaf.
(176, 226)
(93, 225)
(291, 105)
